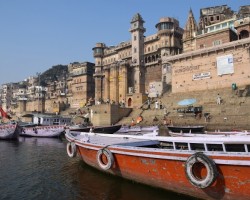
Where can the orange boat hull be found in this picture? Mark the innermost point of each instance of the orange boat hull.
(167, 171)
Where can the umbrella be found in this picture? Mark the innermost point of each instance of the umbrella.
(186, 102)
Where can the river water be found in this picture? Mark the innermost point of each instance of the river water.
(39, 168)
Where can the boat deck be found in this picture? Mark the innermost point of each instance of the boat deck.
(115, 139)
(221, 144)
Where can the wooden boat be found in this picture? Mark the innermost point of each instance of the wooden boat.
(43, 131)
(202, 167)
(211, 134)
(130, 129)
(245, 132)
(47, 119)
(186, 129)
(9, 131)
(96, 129)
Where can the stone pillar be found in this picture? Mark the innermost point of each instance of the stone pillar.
(107, 84)
(98, 83)
(139, 75)
(114, 87)
(98, 87)
(123, 82)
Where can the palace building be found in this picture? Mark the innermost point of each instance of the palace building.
(132, 70)
(209, 55)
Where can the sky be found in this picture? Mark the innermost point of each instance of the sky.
(38, 34)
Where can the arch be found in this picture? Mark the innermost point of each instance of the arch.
(153, 58)
(149, 59)
(129, 102)
(243, 34)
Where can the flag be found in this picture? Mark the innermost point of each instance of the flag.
(4, 114)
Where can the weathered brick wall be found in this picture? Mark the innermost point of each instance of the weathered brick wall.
(206, 40)
(153, 74)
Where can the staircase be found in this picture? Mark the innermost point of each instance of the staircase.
(232, 113)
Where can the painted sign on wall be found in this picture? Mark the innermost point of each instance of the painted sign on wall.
(225, 65)
(200, 76)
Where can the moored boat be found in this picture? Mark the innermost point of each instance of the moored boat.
(131, 129)
(43, 131)
(186, 129)
(9, 131)
(203, 167)
(96, 129)
(209, 134)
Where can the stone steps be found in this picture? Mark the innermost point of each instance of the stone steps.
(233, 113)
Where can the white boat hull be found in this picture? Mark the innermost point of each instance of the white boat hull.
(9, 131)
(43, 131)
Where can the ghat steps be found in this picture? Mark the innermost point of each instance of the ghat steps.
(232, 114)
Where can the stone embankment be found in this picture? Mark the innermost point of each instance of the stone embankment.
(232, 114)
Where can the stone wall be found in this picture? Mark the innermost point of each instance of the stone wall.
(108, 114)
(198, 70)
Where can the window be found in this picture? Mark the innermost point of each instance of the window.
(197, 146)
(181, 146)
(235, 147)
(214, 147)
(216, 42)
(202, 46)
(134, 50)
(212, 19)
(224, 25)
(134, 37)
(218, 18)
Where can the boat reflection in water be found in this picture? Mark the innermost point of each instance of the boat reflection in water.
(39, 168)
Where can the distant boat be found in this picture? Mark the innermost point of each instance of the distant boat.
(131, 129)
(42, 131)
(186, 129)
(203, 167)
(9, 131)
(211, 134)
(96, 129)
(46, 119)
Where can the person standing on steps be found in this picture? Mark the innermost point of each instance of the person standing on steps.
(218, 99)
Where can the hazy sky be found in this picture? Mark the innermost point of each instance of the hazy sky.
(38, 34)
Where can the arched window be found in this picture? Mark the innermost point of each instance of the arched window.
(244, 34)
(153, 58)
